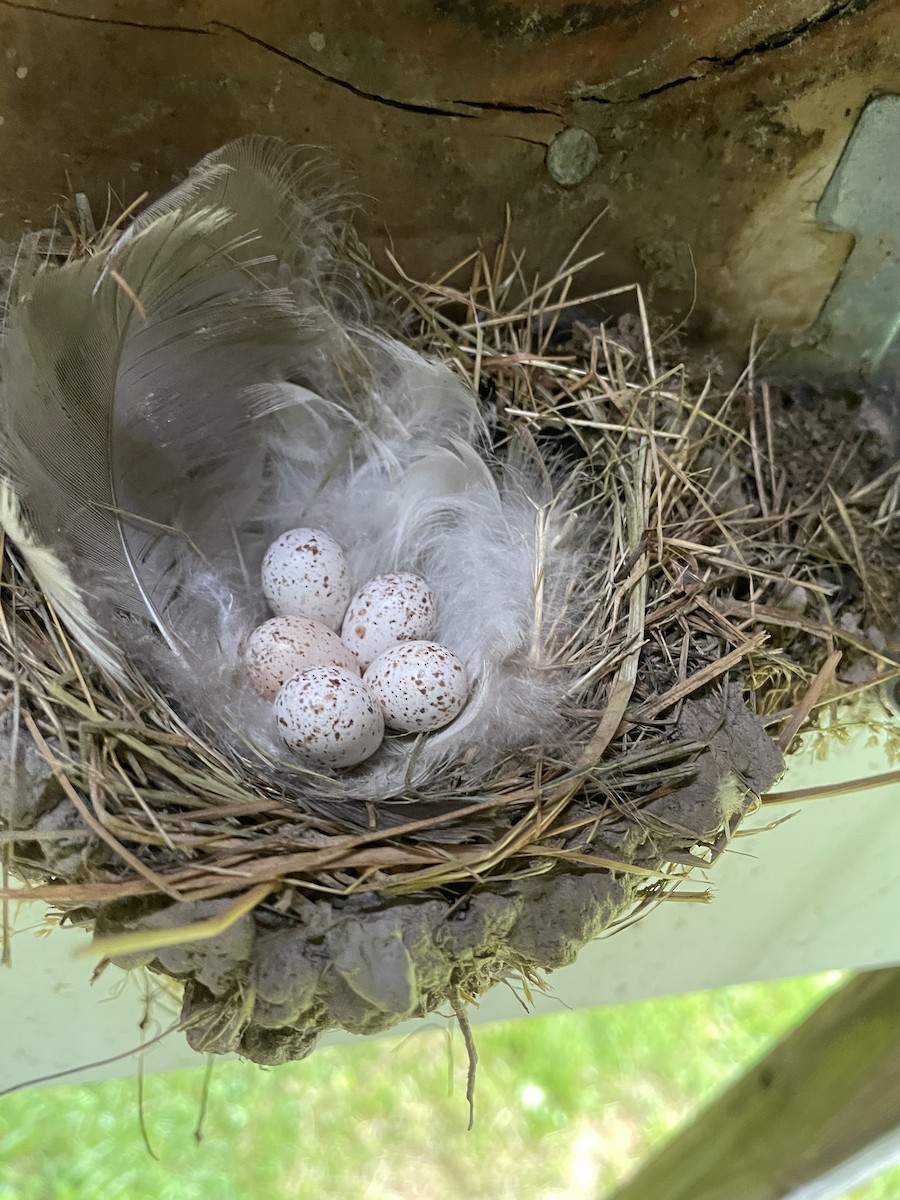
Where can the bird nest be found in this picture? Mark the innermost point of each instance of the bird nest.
(741, 575)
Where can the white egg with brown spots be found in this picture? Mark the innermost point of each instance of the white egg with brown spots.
(304, 573)
(328, 717)
(393, 608)
(282, 646)
(420, 685)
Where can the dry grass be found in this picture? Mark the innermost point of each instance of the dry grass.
(734, 541)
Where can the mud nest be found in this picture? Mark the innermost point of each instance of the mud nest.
(745, 577)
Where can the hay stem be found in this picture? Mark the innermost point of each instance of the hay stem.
(824, 790)
(141, 941)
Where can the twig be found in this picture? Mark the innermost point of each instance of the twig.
(823, 790)
(466, 1030)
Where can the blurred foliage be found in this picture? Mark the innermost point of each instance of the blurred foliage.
(566, 1105)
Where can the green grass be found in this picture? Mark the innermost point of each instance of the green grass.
(565, 1106)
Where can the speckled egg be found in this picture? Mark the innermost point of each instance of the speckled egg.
(389, 609)
(304, 573)
(329, 717)
(285, 645)
(420, 685)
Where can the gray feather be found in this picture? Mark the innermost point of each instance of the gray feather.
(127, 437)
(203, 382)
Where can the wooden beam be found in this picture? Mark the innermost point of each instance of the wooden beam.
(823, 1094)
(881, 1156)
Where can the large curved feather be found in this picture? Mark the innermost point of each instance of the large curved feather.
(128, 434)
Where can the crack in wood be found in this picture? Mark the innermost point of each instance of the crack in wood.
(501, 106)
(403, 105)
(115, 21)
(215, 27)
(717, 65)
(778, 40)
(714, 64)
(515, 137)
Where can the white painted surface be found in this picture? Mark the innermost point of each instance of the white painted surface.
(821, 891)
(874, 1160)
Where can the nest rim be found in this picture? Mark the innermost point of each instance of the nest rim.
(159, 797)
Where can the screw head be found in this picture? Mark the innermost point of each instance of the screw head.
(571, 156)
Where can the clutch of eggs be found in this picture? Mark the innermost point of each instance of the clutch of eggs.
(326, 714)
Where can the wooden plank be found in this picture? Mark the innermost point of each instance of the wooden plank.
(868, 1164)
(456, 115)
(823, 1094)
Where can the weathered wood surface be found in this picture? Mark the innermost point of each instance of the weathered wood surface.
(717, 122)
(829, 1090)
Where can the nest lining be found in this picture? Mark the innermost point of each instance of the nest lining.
(741, 546)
